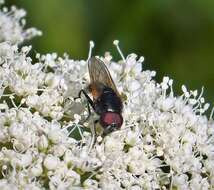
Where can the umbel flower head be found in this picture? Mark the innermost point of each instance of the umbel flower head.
(166, 141)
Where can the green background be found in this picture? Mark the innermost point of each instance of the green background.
(175, 36)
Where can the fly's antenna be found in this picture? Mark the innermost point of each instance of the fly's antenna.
(91, 46)
(116, 43)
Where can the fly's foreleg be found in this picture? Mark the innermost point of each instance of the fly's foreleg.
(89, 102)
(94, 135)
(93, 127)
(89, 112)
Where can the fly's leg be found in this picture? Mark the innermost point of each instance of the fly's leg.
(89, 112)
(93, 127)
(89, 102)
(94, 135)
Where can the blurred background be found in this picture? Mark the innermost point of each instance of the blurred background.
(176, 37)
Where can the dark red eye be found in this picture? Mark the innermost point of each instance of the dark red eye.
(109, 118)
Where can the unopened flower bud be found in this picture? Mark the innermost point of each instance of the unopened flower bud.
(36, 170)
(43, 143)
(51, 162)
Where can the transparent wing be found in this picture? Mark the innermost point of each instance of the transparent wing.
(99, 73)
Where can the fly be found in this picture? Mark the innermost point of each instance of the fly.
(106, 100)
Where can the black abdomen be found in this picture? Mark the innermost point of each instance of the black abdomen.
(108, 101)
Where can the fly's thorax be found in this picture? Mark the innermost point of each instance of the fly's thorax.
(108, 101)
(96, 89)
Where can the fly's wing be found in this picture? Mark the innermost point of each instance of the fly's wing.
(99, 73)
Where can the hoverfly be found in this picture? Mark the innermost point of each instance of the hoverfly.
(106, 103)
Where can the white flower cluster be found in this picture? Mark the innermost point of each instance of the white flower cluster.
(12, 24)
(166, 141)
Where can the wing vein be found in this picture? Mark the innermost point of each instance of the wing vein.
(99, 73)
